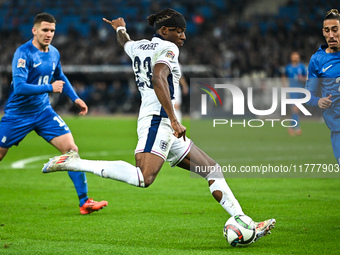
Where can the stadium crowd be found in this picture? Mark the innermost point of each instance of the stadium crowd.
(218, 35)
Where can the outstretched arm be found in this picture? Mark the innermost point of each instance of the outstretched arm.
(122, 35)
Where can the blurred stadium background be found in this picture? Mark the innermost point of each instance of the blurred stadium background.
(231, 38)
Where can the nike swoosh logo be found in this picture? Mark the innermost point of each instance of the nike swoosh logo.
(35, 65)
(325, 69)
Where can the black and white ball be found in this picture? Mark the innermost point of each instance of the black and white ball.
(240, 230)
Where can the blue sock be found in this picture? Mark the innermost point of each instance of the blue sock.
(295, 117)
(80, 183)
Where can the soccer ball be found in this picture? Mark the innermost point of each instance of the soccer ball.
(240, 230)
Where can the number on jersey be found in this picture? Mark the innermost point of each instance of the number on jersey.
(143, 67)
(43, 79)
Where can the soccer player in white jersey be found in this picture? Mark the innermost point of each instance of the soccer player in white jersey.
(160, 136)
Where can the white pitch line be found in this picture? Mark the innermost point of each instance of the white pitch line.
(20, 164)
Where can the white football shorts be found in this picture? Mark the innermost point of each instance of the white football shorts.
(155, 136)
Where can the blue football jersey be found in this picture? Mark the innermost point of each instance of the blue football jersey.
(324, 78)
(293, 73)
(32, 72)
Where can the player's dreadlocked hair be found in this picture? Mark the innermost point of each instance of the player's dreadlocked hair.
(333, 14)
(167, 17)
(161, 16)
(44, 17)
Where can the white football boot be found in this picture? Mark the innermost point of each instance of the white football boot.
(263, 228)
(61, 163)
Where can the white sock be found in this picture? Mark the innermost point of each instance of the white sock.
(116, 170)
(228, 201)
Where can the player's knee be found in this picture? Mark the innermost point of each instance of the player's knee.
(148, 179)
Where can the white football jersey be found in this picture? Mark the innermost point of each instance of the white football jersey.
(144, 55)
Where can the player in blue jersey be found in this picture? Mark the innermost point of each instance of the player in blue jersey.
(324, 77)
(35, 65)
(295, 72)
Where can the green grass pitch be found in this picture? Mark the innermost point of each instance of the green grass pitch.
(177, 215)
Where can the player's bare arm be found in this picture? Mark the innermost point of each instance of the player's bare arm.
(122, 35)
(161, 87)
(325, 102)
(58, 86)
